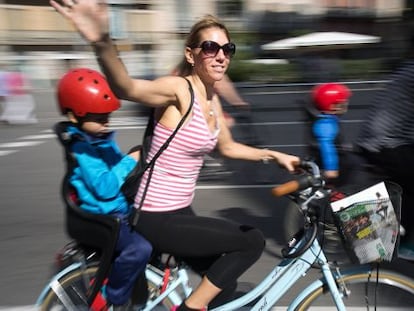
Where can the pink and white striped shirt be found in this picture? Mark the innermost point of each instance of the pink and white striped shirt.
(175, 174)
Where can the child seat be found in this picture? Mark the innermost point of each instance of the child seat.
(95, 231)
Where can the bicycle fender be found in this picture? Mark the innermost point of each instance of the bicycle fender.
(54, 279)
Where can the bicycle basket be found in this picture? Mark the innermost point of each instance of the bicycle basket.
(370, 228)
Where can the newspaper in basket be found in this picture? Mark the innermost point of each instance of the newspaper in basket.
(368, 223)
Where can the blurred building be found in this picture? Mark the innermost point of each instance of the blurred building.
(149, 32)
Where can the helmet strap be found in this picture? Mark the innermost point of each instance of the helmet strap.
(72, 117)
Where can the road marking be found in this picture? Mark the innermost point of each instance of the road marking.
(131, 127)
(122, 123)
(6, 152)
(214, 187)
(17, 144)
(19, 308)
(119, 123)
(128, 121)
(40, 136)
(286, 123)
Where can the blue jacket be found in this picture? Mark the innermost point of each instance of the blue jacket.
(100, 172)
(326, 129)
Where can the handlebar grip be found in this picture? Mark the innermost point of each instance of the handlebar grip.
(286, 188)
(292, 186)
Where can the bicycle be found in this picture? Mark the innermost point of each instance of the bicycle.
(355, 287)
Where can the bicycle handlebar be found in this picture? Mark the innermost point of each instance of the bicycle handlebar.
(294, 185)
(310, 178)
(303, 182)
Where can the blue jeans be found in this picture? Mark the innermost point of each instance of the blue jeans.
(132, 253)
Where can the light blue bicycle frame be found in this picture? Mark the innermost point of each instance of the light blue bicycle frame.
(272, 288)
(283, 277)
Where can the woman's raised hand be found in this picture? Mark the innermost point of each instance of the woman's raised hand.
(90, 17)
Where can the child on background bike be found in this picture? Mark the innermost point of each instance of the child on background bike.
(328, 102)
(101, 168)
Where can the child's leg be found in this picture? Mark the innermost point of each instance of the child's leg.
(133, 254)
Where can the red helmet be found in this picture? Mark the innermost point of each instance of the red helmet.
(83, 91)
(328, 94)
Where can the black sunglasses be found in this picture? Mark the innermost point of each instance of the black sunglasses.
(101, 118)
(211, 48)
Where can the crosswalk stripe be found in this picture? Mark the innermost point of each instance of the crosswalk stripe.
(6, 152)
(40, 136)
(17, 144)
(19, 308)
(122, 123)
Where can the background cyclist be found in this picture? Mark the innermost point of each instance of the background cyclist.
(386, 141)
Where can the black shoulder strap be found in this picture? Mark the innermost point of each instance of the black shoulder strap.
(149, 130)
(167, 142)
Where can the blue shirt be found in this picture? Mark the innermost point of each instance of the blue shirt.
(326, 129)
(100, 172)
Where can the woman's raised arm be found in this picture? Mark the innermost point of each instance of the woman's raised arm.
(91, 19)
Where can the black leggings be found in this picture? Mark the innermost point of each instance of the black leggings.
(217, 248)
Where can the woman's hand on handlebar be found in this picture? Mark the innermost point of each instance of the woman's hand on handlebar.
(311, 177)
(289, 162)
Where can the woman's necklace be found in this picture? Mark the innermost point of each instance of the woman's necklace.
(210, 107)
(210, 104)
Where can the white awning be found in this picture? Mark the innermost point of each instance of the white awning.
(322, 39)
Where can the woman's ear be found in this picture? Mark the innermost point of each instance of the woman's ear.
(189, 56)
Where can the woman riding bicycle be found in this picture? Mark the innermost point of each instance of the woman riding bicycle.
(221, 250)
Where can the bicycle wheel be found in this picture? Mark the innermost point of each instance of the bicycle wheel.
(70, 294)
(390, 291)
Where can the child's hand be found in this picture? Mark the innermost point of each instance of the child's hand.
(134, 155)
(331, 174)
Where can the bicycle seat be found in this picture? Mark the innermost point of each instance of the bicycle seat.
(92, 230)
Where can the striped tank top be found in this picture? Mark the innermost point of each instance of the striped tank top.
(175, 174)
